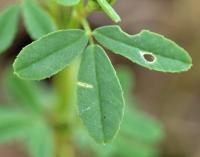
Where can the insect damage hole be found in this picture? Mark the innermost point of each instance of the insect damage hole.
(148, 57)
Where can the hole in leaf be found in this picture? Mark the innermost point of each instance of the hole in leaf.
(148, 57)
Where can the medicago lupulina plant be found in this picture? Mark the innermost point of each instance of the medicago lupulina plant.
(69, 51)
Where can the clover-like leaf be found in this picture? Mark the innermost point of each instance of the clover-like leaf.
(100, 98)
(50, 54)
(68, 2)
(147, 49)
(37, 21)
(8, 26)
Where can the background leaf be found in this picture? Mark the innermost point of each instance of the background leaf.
(28, 94)
(68, 2)
(138, 126)
(147, 49)
(8, 26)
(100, 97)
(128, 148)
(49, 55)
(40, 140)
(37, 21)
(126, 78)
(14, 124)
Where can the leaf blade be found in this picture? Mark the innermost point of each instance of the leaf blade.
(37, 20)
(13, 124)
(100, 98)
(40, 140)
(167, 55)
(8, 26)
(50, 54)
(26, 93)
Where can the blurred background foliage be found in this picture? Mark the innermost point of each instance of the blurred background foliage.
(172, 99)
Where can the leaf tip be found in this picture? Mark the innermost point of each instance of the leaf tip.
(117, 19)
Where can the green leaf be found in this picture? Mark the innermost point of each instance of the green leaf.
(128, 148)
(136, 124)
(126, 79)
(140, 127)
(139, 136)
(50, 54)
(68, 2)
(37, 21)
(27, 93)
(108, 9)
(8, 26)
(100, 98)
(40, 141)
(147, 49)
(13, 124)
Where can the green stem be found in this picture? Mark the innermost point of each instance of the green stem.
(88, 30)
(64, 84)
(65, 88)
